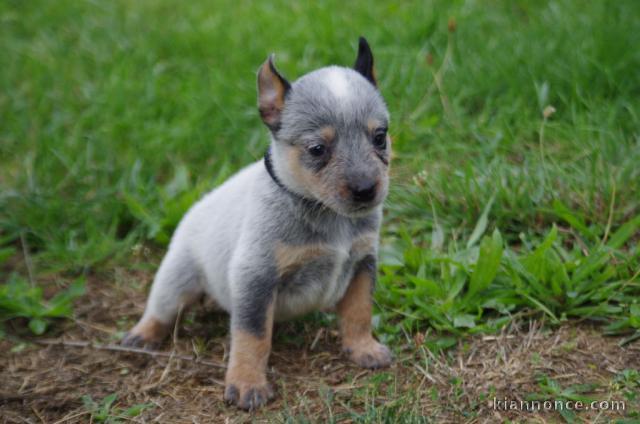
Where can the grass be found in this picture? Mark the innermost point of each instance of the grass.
(103, 411)
(516, 183)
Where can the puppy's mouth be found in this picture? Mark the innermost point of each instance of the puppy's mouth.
(355, 209)
(359, 208)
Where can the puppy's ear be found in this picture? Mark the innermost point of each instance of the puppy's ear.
(272, 90)
(364, 62)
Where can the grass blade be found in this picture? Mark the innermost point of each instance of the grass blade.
(572, 219)
(624, 233)
(487, 265)
(481, 225)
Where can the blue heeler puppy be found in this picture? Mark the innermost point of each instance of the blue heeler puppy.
(293, 233)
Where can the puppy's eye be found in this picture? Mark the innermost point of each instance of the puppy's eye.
(317, 150)
(380, 138)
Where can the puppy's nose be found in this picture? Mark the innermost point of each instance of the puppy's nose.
(363, 192)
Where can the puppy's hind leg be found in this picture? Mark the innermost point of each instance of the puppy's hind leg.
(176, 285)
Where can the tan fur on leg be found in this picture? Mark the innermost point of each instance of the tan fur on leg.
(148, 331)
(354, 310)
(246, 379)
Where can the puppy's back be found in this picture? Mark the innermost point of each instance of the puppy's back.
(210, 230)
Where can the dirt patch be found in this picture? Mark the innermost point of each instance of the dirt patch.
(184, 382)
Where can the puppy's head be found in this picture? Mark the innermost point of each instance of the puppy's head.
(329, 133)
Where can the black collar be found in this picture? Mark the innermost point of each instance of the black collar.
(269, 165)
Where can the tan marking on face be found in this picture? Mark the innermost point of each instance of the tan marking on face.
(299, 172)
(344, 192)
(391, 151)
(151, 330)
(365, 243)
(354, 310)
(372, 125)
(249, 355)
(311, 182)
(290, 258)
(328, 134)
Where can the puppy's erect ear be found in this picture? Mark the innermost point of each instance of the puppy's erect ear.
(272, 90)
(364, 62)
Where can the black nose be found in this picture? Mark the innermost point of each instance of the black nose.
(363, 192)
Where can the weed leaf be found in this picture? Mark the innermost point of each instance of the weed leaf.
(487, 265)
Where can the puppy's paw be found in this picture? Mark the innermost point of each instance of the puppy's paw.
(149, 332)
(248, 396)
(369, 353)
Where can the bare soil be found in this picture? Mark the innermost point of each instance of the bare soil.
(44, 380)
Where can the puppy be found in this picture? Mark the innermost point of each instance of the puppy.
(292, 233)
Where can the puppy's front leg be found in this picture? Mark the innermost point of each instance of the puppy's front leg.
(354, 312)
(251, 328)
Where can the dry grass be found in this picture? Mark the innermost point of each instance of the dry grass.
(45, 383)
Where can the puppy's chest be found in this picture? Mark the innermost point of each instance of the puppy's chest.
(315, 276)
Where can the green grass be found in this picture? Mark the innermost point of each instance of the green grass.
(104, 411)
(20, 299)
(116, 116)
